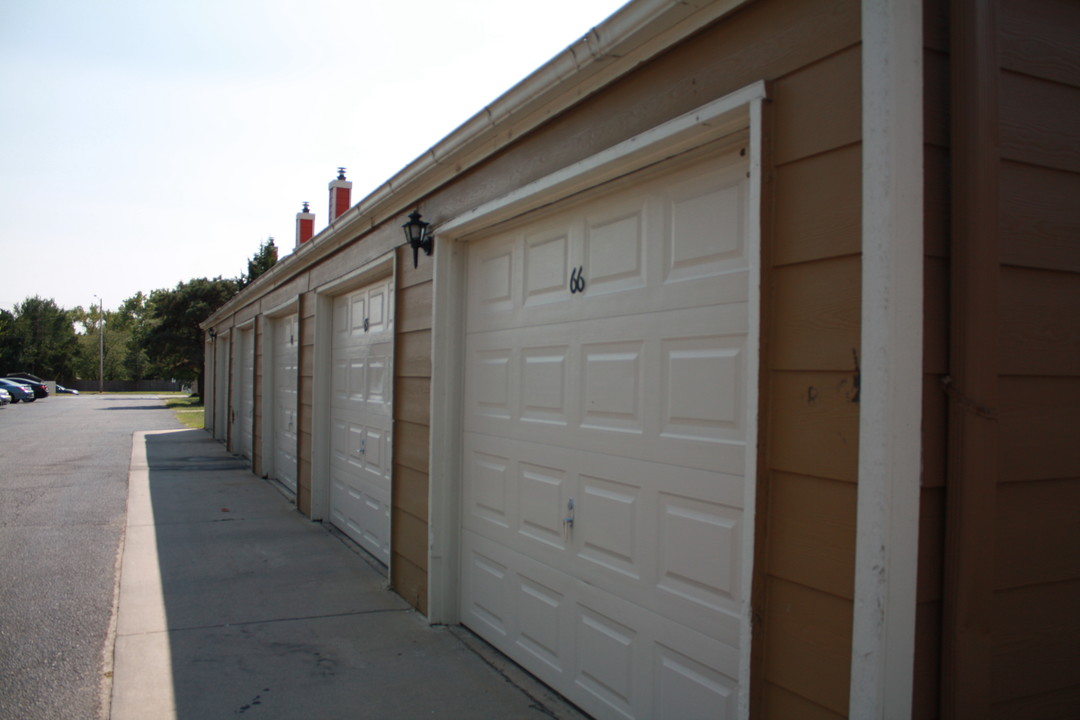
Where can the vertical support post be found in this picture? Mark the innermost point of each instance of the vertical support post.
(890, 412)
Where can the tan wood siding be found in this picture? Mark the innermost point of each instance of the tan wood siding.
(305, 395)
(257, 432)
(779, 703)
(412, 432)
(1037, 562)
(811, 316)
(1013, 585)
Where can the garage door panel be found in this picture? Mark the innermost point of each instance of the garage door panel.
(491, 274)
(613, 387)
(690, 689)
(284, 366)
(615, 251)
(490, 377)
(674, 550)
(662, 247)
(356, 386)
(624, 660)
(486, 495)
(546, 259)
(377, 381)
(542, 492)
(540, 625)
(698, 553)
(361, 416)
(606, 394)
(486, 601)
(544, 385)
(703, 388)
(378, 317)
(611, 527)
(706, 231)
(605, 426)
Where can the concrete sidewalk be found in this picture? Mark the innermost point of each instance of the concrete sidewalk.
(232, 603)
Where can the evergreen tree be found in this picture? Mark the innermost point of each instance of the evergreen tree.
(260, 262)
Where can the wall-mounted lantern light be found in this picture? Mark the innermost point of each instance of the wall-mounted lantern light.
(416, 233)
(212, 333)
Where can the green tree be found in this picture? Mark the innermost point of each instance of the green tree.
(7, 345)
(40, 338)
(133, 320)
(260, 262)
(174, 339)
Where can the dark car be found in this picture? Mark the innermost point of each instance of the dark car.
(25, 376)
(18, 391)
(39, 388)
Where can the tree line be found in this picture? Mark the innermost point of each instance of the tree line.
(154, 336)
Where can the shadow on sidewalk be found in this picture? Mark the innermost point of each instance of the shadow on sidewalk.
(261, 611)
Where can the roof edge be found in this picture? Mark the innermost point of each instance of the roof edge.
(633, 35)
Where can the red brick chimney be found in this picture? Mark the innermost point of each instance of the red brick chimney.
(340, 195)
(305, 226)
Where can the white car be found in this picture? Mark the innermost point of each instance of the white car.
(5, 398)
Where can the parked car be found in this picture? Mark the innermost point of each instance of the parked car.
(5, 397)
(60, 389)
(25, 376)
(18, 391)
(39, 388)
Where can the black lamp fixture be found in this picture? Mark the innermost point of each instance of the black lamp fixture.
(416, 232)
(212, 333)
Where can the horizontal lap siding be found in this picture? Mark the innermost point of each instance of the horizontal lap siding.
(810, 383)
(257, 420)
(1029, 547)
(305, 395)
(412, 420)
(1035, 623)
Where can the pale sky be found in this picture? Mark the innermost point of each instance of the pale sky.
(146, 142)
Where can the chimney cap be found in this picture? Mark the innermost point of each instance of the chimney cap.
(306, 209)
(341, 173)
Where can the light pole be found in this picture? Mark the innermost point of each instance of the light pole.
(101, 345)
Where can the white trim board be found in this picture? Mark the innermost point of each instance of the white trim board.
(719, 118)
(890, 411)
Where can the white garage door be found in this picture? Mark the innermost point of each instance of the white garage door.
(362, 364)
(285, 344)
(605, 454)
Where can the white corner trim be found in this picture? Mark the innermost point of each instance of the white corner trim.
(890, 411)
(753, 360)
